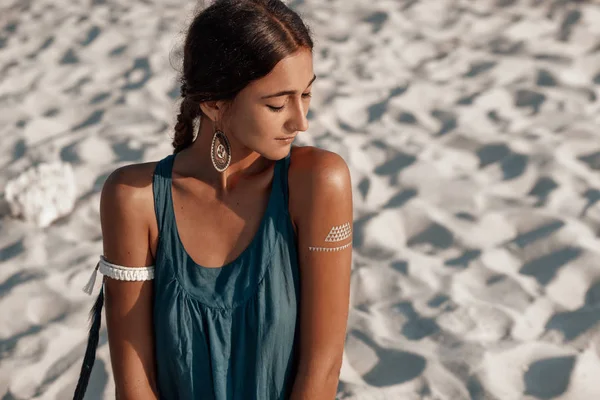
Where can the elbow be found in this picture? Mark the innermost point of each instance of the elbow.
(326, 368)
(319, 379)
(147, 391)
(332, 371)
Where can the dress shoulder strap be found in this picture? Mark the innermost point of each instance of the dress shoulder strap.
(284, 178)
(161, 189)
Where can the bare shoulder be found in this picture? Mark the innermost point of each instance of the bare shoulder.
(130, 184)
(127, 215)
(310, 166)
(308, 163)
(315, 175)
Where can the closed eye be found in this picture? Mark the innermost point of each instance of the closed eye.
(278, 109)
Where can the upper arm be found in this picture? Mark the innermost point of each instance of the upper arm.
(321, 204)
(126, 205)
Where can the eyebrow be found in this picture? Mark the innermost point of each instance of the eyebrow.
(287, 92)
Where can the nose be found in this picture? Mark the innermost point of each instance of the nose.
(298, 120)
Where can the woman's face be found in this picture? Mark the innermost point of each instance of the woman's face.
(260, 113)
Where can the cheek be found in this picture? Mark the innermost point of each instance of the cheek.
(244, 121)
(268, 123)
(257, 126)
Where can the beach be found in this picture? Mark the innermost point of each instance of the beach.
(471, 130)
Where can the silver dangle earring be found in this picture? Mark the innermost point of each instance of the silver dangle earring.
(220, 151)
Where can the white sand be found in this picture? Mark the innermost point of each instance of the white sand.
(470, 127)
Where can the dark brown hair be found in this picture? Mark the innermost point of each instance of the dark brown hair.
(228, 45)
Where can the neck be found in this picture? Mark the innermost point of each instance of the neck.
(198, 163)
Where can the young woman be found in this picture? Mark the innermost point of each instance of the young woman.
(227, 264)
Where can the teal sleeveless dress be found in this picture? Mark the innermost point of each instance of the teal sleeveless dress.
(229, 332)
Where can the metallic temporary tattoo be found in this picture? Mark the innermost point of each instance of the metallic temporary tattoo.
(330, 248)
(339, 233)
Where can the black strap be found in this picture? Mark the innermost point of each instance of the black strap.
(92, 344)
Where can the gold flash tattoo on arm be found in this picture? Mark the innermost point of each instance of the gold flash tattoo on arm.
(336, 234)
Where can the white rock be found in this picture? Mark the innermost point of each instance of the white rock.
(43, 193)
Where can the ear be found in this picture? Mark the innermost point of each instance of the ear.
(213, 109)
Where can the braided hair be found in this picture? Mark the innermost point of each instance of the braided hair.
(189, 110)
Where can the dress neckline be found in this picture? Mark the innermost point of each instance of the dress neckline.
(265, 216)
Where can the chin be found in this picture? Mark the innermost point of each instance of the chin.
(276, 152)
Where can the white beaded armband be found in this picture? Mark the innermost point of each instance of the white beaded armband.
(118, 272)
